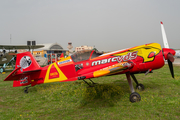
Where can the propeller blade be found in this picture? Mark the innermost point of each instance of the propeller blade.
(166, 45)
(171, 68)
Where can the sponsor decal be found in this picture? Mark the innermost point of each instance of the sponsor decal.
(129, 56)
(25, 62)
(53, 74)
(127, 64)
(24, 80)
(66, 61)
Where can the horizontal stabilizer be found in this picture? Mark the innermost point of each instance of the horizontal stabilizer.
(26, 65)
(13, 75)
(32, 71)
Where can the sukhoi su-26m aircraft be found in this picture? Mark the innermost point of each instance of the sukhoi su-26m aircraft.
(90, 64)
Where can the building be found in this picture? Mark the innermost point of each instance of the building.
(177, 53)
(85, 47)
(53, 48)
(48, 49)
(39, 53)
(43, 55)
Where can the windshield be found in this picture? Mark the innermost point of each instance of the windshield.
(81, 55)
(96, 54)
(84, 55)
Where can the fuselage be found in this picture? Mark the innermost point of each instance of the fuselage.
(89, 64)
(144, 57)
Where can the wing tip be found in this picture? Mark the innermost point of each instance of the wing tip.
(161, 22)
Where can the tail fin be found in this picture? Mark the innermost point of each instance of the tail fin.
(26, 67)
(166, 45)
(27, 62)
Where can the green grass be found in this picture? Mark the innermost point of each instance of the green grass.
(109, 99)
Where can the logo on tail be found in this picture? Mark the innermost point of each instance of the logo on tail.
(25, 62)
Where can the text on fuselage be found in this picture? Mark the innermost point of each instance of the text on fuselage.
(129, 56)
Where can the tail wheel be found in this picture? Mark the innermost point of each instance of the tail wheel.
(135, 97)
(25, 91)
(140, 87)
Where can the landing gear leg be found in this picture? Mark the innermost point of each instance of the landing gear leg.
(138, 85)
(88, 83)
(26, 89)
(92, 82)
(134, 97)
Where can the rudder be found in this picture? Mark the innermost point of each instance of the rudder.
(26, 67)
(27, 62)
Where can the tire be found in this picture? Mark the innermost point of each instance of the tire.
(134, 97)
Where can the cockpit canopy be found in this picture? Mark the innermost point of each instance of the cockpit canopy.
(84, 55)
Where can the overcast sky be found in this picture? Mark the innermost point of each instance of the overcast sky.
(106, 24)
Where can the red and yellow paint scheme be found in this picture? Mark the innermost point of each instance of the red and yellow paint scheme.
(91, 64)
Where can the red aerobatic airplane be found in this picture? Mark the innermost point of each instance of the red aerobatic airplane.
(89, 64)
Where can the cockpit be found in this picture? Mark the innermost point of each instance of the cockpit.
(84, 55)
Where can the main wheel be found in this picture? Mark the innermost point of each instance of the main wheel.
(2, 70)
(135, 97)
(140, 87)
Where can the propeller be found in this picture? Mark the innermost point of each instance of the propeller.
(170, 60)
(169, 56)
(167, 52)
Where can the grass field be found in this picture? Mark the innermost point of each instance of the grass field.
(109, 99)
